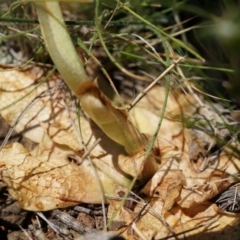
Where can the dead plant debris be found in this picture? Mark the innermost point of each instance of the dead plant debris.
(193, 169)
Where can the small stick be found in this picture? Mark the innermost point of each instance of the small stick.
(83, 210)
(148, 44)
(25, 232)
(71, 222)
(229, 200)
(144, 92)
(53, 226)
(139, 233)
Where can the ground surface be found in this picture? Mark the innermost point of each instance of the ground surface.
(212, 125)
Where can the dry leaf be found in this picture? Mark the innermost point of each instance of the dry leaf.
(145, 114)
(178, 194)
(201, 222)
(58, 123)
(138, 165)
(114, 122)
(191, 212)
(15, 96)
(166, 184)
(44, 179)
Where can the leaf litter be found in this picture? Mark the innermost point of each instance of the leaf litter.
(174, 199)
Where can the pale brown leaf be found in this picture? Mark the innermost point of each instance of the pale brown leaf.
(44, 179)
(166, 184)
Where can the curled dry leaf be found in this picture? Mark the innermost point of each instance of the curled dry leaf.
(166, 184)
(208, 183)
(138, 165)
(117, 125)
(113, 121)
(146, 114)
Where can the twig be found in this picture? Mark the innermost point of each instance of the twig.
(229, 200)
(83, 210)
(71, 222)
(25, 232)
(51, 225)
(139, 233)
(148, 44)
(144, 92)
(86, 153)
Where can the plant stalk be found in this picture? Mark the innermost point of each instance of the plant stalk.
(59, 43)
